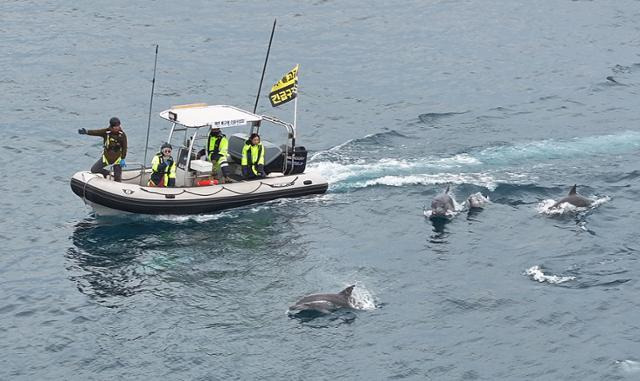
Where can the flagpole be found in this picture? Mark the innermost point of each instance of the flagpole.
(295, 113)
(295, 108)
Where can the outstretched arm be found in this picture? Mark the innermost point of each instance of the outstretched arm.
(99, 132)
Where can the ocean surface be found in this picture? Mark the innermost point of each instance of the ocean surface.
(397, 100)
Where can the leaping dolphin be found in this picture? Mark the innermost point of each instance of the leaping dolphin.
(574, 199)
(323, 303)
(442, 205)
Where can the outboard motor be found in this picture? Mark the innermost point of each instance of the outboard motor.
(296, 161)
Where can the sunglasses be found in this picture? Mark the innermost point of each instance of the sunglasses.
(166, 151)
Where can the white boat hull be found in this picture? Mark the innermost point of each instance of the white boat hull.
(108, 197)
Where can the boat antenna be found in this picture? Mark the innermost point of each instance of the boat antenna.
(153, 84)
(255, 106)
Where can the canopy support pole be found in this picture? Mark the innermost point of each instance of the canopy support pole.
(146, 146)
(264, 68)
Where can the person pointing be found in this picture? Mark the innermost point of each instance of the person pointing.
(115, 148)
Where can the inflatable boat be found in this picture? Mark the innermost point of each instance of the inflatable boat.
(190, 124)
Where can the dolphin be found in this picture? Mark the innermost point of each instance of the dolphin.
(477, 201)
(442, 205)
(574, 199)
(323, 303)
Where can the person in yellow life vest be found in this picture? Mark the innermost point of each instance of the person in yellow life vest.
(115, 148)
(253, 158)
(218, 153)
(163, 168)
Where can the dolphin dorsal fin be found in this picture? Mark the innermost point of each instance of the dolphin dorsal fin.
(447, 190)
(573, 190)
(347, 291)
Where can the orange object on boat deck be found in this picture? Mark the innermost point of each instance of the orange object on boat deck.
(204, 183)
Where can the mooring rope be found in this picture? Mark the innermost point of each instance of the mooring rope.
(84, 189)
(292, 182)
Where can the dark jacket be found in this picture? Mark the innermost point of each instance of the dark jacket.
(115, 145)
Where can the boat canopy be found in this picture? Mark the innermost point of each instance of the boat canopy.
(202, 115)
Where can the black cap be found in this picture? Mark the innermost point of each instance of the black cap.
(113, 122)
(165, 145)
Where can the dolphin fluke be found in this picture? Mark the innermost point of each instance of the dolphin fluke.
(573, 190)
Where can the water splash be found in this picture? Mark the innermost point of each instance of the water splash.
(629, 366)
(362, 298)
(599, 201)
(199, 218)
(547, 208)
(536, 273)
(449, 215)
(337, 172)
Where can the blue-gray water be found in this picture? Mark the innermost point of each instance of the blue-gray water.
(509, 98)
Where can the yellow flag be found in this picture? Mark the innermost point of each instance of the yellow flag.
(285, 89)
